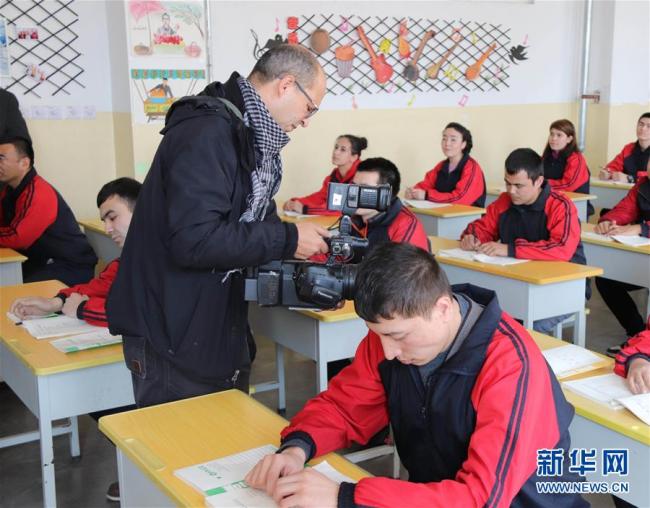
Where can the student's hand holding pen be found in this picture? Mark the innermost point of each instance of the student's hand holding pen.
(604, 227)
(494, 249)
(470, 242)
(270, 469)
(413, 193)
(605, 174)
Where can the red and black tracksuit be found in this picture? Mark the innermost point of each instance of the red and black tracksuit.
(93, 310)
(632, 161)
(636, 347)
(316, 203)
(465, 185)
(566, 172)
(468, 436)
(546, 230)
(37, 222)
(634, 208)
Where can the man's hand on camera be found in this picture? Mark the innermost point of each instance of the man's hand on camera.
(311, 240)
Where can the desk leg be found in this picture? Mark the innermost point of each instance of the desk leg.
(528, 319)
(321, 374)
(75, 449)
(47, 451)
(279, 365)
(579, 325)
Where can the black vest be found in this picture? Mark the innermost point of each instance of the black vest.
(447, 181)
(636, 161)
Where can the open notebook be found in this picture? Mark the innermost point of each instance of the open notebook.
(57, 326)
(630, 240)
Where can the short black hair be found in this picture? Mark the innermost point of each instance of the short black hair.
(644, 115)
(384, 293)
(388, 172)
(525, 159)
(23, 149)
(125, 188)
(357, 144)
(465, 133)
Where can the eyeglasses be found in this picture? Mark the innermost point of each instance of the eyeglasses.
(312, 108)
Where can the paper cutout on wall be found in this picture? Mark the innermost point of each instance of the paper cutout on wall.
(157, 89)
(4, 49)
(270, 43)
(518, 53)
(166, 28)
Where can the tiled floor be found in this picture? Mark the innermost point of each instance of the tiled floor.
(82, 482)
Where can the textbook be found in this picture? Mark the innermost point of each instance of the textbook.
(568, 360)
(423, 203)
(99, 338)
(469, 255)
(605, 389)
(59, 326)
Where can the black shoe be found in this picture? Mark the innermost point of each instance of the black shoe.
(113, 492)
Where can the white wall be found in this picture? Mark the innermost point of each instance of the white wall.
(553, 30)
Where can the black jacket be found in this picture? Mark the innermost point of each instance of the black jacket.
(185, 236)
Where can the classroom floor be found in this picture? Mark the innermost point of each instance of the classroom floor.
(82, 482)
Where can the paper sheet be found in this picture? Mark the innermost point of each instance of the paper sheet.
(59, 326)
(91, 340)
(632, 241)
(15, 319)
(423, 203)
(603, 389)
(216, 476)
(469, 255)
(291, 213)
(639, 405)
(567, 360)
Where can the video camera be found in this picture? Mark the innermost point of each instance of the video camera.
(306, 284)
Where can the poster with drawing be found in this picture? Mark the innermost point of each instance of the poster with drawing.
(166, 29)
(153, 91)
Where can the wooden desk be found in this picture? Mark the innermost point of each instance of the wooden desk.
(153, 442)
(104, 246)
(619, 262)
(579, 200)
(54, 385)
(324, 220)
(11, 270)
(321, 336)
(597, 426)
(447, 221)
(528, 291)
(609, 193)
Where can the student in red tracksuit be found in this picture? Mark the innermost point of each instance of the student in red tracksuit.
(632, 162)
(565, 168)
(115, 201)
(397, 224)
(456, 180)
(346, 157)
(631, 216)
(36, 221)
(633, 361)
(463, 385)
(528, 221)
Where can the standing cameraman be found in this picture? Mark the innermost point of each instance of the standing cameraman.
(204, 212)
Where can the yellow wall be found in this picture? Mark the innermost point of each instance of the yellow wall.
(85, 154)
(77, 157)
